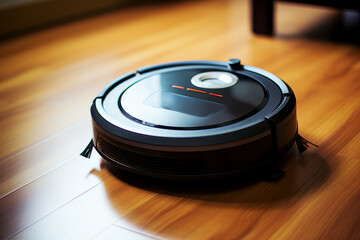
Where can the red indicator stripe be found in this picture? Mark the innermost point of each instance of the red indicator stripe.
(217, 95)
(176, 86)
(195, 90)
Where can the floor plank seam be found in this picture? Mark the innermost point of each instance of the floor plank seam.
(101, 232)
(140, 232)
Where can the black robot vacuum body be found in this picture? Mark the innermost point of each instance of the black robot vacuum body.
(195, 120)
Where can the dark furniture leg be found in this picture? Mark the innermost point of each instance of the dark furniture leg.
(263, 16)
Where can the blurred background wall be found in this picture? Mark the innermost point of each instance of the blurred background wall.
(25, 15)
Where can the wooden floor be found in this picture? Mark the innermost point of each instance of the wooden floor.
(49, 78)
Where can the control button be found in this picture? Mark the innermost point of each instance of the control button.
(214, 80)
(235, 64)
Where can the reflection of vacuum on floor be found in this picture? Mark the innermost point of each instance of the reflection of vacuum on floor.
(196, 120)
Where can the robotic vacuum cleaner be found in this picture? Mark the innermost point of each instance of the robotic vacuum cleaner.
(194, 120)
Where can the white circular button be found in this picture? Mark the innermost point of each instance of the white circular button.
(214, 80)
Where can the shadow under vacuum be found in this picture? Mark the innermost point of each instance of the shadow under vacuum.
(304, 173)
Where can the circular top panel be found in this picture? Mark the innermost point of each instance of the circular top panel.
(174, 100)
(159, 105)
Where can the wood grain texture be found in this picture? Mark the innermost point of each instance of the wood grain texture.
(49, 78)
